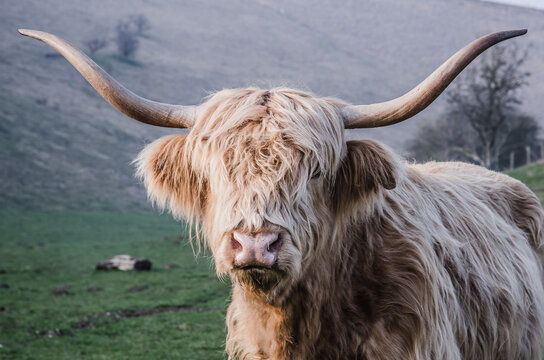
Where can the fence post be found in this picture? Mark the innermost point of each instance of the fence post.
(528, 152)
(511, 160)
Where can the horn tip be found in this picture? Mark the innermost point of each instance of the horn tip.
(35, 34)
(28, 32)
(515, 33)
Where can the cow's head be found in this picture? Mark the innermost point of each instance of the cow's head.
(267, 172)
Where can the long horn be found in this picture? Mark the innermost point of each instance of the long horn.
(124, 100)
(414, 101)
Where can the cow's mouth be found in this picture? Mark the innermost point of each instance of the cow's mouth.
(258, 278)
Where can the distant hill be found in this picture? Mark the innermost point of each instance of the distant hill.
(62, 146)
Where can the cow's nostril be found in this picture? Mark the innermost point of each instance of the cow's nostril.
(274, 245)
(236, 246)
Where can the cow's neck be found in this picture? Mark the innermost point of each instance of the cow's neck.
(313, 317)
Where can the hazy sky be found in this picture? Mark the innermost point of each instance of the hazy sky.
(537, 4)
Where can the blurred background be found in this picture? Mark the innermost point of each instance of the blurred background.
(68, 196)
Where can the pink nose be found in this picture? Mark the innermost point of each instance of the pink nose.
(255, 249)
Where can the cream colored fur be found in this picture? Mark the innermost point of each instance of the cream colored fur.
(380, 259)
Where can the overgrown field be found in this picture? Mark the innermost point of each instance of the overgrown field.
(54, 305)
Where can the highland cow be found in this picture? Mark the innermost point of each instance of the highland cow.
(341, 249)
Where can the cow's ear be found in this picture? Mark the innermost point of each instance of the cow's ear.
(171, 182)
(368, 167)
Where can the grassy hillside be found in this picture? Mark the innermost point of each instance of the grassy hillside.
(60, 161)
(532, 176)
(63, 147)
(54, 305)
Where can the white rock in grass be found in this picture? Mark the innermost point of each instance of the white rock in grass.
(124, 262)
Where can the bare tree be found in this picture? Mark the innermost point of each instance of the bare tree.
(126, 39)
(483, 123)
(487, 96)
(141, 23)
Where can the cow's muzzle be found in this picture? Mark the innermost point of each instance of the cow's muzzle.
(255, 249)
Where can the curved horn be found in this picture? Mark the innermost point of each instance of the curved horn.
(411, 103)
(130, 104)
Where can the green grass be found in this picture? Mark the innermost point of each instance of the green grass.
(43, 251)
(532, 176)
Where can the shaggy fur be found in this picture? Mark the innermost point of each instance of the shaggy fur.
(379, 259)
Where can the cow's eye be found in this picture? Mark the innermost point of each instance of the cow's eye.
(316, 173)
